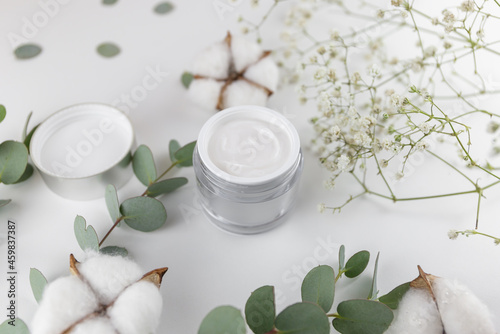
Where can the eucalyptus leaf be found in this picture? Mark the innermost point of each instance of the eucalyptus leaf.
(85, 235)
(222, 320)
(27, 51)
(4, 202)
(109, 2)
(144, 214)
(38, 283)
(173, 146)
(341, 257)
(357, 264)
(27, 139)
(3, 112)
(166, 186)
(108, 50)
(393, 298)
(318, 287)
(27, 174)
(114, 251)
(186, 79)
(362, 316)
(163, 8)
(143, 165)
(25, 128)
(373, 289)
(111, 198)
(13, 161)
(185, 154)
(303, 318)
(16, 326)
(260, 310)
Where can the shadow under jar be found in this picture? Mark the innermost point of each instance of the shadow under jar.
(248, 164)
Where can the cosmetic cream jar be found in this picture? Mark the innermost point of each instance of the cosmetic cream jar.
(248, 164)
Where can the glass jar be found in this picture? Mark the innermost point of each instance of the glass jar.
(248, 164)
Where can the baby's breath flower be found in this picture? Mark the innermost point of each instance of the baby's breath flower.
(384, 163)
(452, 234)
(329, 184)
(321, 50)
(425, 127)
(375, 70)
(334, 35)
(321, 207)
(480, 34)
(355, 78)
(467, 6)
(320, 74)
(396, 100)
(435, 21)
(430, 51)
(421, 146)
(397, 3)
(343, 162)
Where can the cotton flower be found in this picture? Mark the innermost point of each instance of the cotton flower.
(233, 72)
(106, 295)
(434, 305)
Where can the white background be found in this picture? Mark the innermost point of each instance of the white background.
(208, 267)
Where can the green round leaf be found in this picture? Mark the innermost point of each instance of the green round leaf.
(166, 186)
(144, 213)
(318, 287)
(16, 326)
(303, 318)
(393, 298)
(4, 202)
(362, 316)
(185, 154)
(186, 79)
(114, 251)
(173, 146)
(27, 173)
(38, 283)
(144, 165)
(86, 236)
(357, 264)
(222, 320)
(13, 161)
(27, 51)
(109, 2)
(260, 310)
(341, 257)
(3, 112)
(111, 198)
(108, 50)
(163, 8)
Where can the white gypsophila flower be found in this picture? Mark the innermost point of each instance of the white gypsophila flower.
(233, 72)
(396, 100)
(430, 51)
(329, 184)
(452, 234)
(321, 207)
(374, 70)
(421, 146)
(467, 6)
(425, 127)
(480, 34)
(320, 74)
(352, 112)
(106, 294)
(343, 162)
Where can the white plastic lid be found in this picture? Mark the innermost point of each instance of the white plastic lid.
(81, 141)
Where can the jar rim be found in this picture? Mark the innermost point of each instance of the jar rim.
(259, 113)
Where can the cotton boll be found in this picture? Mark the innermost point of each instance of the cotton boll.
(65, 301)
(95, 325)
(461, 311)
(245, 53)
(265, 73)
(137, 310)
(416, 314)
(213, 62)
(205, 92)
(243, 93)
(109, 275)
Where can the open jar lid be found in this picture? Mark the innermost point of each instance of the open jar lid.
(82, 148)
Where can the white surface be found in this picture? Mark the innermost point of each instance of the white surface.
(208, 267)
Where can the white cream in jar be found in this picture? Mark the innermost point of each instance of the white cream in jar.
(247, 162)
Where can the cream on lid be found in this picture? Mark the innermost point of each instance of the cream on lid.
(248, 144)
(81, 141)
